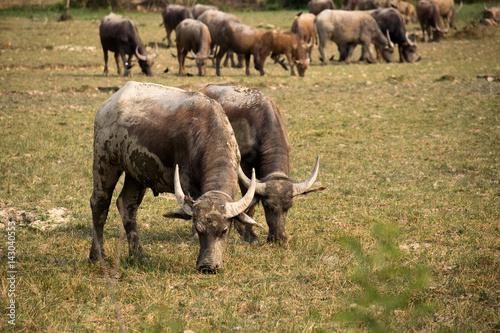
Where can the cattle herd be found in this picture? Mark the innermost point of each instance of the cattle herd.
(202, 145)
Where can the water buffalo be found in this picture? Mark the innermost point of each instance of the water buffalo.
(351, 28)
(351, 5)
(241, 39)
(374, 4)
(491, 16)
(168, 140)
(288, 43)
(303, 25)
(446, 9)
(193, 35)
(263, 143)
(198, 9)
(173, 15)
(317, 6)
(392, 21)
(407, 10)
(428, 16)
(215, 21)
(120, 35)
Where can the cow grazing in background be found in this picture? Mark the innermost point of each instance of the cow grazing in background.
(317, 6)
(276, 42)
(351, 5)
(430, 21)
(198, 9)
(351, 28)
(392, 21)
(374, 4)
(263, 143)
(446, 9)
(173, 15)
(172, 141)
(215, 21)
(120, 35)
(241, 39)
(491, 16)
(193, 35)
(407, 10)
(303, 25)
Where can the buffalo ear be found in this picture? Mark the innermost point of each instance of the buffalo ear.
(178, 214)
(316, 189)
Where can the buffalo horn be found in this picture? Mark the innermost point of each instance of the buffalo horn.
(303, 187)
(409, 41)
(155, 54)
(179, 194)
(244, 218)
(236, 208)
(260, 188)
(139, 56)
(389, 39)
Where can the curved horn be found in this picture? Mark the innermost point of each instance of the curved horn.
(236, 208)
(311, 42)
(179, 194)
(260, 188)
(155, 54)
(389, 39)
(409, 41)
(303, 187)
(139, 56)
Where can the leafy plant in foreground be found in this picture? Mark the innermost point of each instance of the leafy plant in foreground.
(383, 285)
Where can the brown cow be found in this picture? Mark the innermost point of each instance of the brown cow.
(276, 42)
(407, 10)
(241, 39)
(193, 35)
(317, 6)
(168, 140)
(198, 9)
(492, 15)
(428, 16)
(303, 25)
(446, 9)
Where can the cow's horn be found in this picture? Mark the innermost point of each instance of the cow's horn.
(236, 208)
(139, 56)
(260, 188)
(409, 41)
(391, 44)
(303, 187)
(155, 54)
(179, 194)
(311, 42)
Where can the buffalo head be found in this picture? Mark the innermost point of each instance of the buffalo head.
(276, 191)
(212, 215)
(147, 60)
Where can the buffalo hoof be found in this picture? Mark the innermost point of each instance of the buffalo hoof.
(208, 270)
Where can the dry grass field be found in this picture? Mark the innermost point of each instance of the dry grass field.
(406, 237)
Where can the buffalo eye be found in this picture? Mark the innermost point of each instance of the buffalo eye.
(223, 232)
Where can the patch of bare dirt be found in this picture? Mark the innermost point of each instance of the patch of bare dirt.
(50, 219)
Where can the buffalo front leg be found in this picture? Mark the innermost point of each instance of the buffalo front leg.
(128, 203)
(117, 60)
(245, 230)
(99, 203)
(105, 73)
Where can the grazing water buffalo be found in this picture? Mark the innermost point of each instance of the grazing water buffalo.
(351, 28)
(351, 5)
(317, 6)
(392, 21)
(173, 15)
(446, 8)
(287, 43)
(407, 10)
(173, 141)
(215, 21)
(241, 39)
(263, 143)
(198, 9)
(491, 16)
(428, 16)
(303, 25)
(120, 35)
(193, 35)
(374, 4)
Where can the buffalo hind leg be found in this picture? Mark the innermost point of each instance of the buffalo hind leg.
(128, 203)
(99, 204)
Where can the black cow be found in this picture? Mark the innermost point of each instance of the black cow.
(120, 35)
(173, 15)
